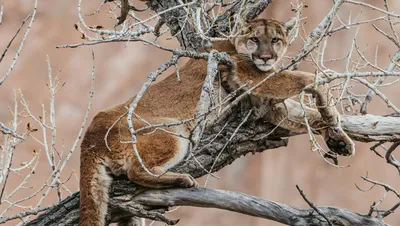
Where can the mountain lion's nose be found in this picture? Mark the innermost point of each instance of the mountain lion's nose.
(265, 58)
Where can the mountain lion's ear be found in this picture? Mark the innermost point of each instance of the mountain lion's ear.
(289, 25)
(246, 30)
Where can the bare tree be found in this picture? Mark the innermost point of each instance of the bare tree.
(196, 24)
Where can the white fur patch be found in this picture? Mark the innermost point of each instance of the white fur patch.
(264, 67)
(99, 189)
(183, 145)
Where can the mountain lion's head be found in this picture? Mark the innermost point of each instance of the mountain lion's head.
(264, 42)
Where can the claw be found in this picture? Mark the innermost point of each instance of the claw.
(338, 142)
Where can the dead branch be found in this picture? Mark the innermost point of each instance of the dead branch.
(14, 61)
(390, 158)
(313, 206)
(212, 198)
(185, 32)
(253, 206)
(380, 80)
(370, 128)
(388, 188)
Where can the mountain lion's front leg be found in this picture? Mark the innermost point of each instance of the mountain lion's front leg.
(326, 120)
(289, 114)
(272, 96)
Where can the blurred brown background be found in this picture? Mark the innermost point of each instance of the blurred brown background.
(120, 70)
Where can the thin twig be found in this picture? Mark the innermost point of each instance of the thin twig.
(1, 11)
(390, 158)
(370, 94)
(14, 61)
(313, 206)
(15, 35)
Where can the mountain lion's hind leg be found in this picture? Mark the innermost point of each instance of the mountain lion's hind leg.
(166, 180)
(159, 151)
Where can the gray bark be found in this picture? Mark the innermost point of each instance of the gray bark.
(211, 198)
(370, 128)
(186, 34)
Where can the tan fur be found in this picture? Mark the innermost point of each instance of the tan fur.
(164, 102)
(171, 100)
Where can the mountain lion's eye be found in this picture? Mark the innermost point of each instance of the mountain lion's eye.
(254, 39)
(275, 40)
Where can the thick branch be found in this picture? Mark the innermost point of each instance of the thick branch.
(371, 128)
(186, 33)
(211, 198)
(253, 206)
(251, 11)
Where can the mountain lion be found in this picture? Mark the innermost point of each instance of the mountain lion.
(255, 52)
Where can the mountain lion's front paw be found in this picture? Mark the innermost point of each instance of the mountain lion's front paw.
(187, 181)
(338, 141)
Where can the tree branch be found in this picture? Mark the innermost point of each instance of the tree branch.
(253, 206)
(185, 32)
(220, 199)
(370, 128)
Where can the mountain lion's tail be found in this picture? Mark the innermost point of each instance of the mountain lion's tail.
(94, 184)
